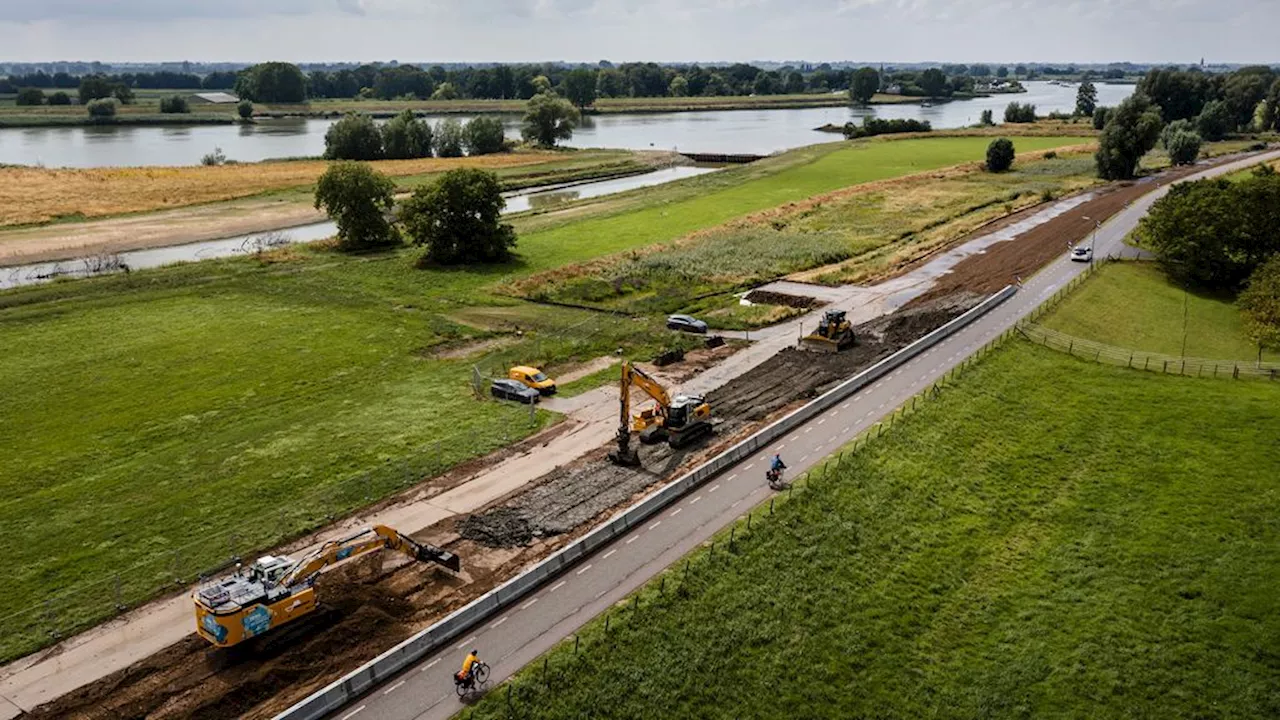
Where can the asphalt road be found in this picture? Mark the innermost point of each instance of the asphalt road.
(524, 632)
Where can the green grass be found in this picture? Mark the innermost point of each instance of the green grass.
(1049, 538)
(1134, 305)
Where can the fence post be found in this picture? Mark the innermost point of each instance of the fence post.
(1235, 374)
(1165, 369)
(1130, 359)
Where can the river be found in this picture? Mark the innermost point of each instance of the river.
(720, 131)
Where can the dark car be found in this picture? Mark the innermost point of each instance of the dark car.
(686, 323)
(514, 390)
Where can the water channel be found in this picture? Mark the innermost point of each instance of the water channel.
(720, 131)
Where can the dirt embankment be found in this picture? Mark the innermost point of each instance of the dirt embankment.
(377, 601)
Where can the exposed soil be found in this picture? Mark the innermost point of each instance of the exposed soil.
(375, 602)
(768, 297)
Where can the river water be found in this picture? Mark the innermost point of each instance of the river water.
(719, 131)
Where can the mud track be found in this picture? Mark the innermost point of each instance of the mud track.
(375, 602)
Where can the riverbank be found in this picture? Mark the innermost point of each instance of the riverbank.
(141, 119)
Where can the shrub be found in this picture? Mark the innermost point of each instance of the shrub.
(1051, 155)
(174, 104)
(1183, 147)
(214, 158)
(483, 136)
(30, 96)
(458, 219)
(875, 126)
(448, 138)
(357, 198)
(123, 93)
(987, 119)
(244, 109)
(354, 137)
(1000, 154)
(405, 136)
(1020, 113)
(60, 98)
(102, 108)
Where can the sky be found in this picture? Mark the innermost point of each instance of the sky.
(960, 31)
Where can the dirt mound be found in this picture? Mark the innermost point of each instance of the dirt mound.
(768, 297)
(501, 527)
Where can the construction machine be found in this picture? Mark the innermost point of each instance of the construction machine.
(679, 420)
(277, 590)
(834, 333)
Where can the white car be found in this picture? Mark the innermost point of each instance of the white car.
(1081, 253)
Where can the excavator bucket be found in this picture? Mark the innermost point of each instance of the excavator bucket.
(443, 558)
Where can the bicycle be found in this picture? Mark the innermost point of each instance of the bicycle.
(479, 677)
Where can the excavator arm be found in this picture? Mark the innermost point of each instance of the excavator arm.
(378, 537)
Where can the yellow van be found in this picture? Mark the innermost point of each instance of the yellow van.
(534, 378)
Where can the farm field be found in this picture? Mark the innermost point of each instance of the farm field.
(1135, 305)
(1049, 537)
(253, 399)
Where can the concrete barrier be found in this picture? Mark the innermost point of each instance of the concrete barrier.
(482, 608)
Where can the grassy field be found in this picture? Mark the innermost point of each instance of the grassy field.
(34, 195)
(875, 227)
(1048, 538)
(1134, 305)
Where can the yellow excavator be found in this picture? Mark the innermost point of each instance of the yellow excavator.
(278, 590)
(834, 333)
(679, 420)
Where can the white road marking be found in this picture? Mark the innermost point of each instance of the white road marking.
(806, 457)
(656, 524)
(845, 406)
(819, 422)
(808, 430)
(583, 569)
(601, 593)
(632, 539)
(780, 448)
(717, 487)
(606, 555)
(845, 429)
(393, 688)
(695, 500)
(353, 712)
(431, 664)
(466, 642)
(746, 468)
(499, 622)
(529, 604)
(735, 504)
(558, 585)
(675, 512)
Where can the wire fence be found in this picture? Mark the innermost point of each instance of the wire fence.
(1140, 360)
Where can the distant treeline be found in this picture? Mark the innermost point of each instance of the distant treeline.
(140, 81)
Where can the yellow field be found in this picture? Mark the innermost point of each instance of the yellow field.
(36, 195)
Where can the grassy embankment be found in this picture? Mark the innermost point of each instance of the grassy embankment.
(1048, 538)
(227, 405)
(38, 195)
(853, 234)
(1136, 306)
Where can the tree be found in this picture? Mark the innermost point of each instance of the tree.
(580, 87)
(1260, 303)
(357, 198)
(94, 87)
(541, 84)
(1183, 146)
(679, 87)
(1271, 113)
(1177, 126)
(405, 136)
(1086, 99)
(1242, 92)
(448, 138)
(1100, 116)
(458, 219)
(1214, 121)
(1020, 71)
(59, 98)
(102, 109)
(794, 84)
(1016, 112)
(244, 109)
(1131, 131)
(934, 82)
(1177, 95)
(123, 93)
(548, 119)
(174, 104)
(272, 82)
(445, 91)
(1000, 154)
(354, 137)
(484, 135)
(863, 87)
(30, 96)
(1002, 72)
(987, 119)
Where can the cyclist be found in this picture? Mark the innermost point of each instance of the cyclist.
(464, 676)
(775, 469)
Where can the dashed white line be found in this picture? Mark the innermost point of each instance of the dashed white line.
(745, 468)
(717, 487)
(431, 664)
(606, 555)
(393, 688)
(780, 448)
(584, 569)
(675, 512)
(353, 712)
(845, 406)
(469, 640)
(499, 622)
(695, 500)
(656, 524)
(525, 606)
(735, 504)
(806, 457)
(808, 430)
(819, 422)
(558, 585)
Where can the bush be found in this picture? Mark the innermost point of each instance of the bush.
(244, 109)
(1000, 154)
(354, 137)
(174, 104)
(405, 136)
(483, 136)
(1051, 155)
(214, 158)
(1100, 117)
(60, 98)
(987, 118)
(875, 126)
(448, 138)
(357, 198)
(458, 219)
(30, 96)
(123, 93)
(1020, 113)
(1183, 147)
(102, 108)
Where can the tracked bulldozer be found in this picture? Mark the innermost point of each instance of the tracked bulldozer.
(834, 333)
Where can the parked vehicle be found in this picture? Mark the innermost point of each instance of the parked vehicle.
(686, 323)
(534, 378)
(1082, 253)
(506, 389)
